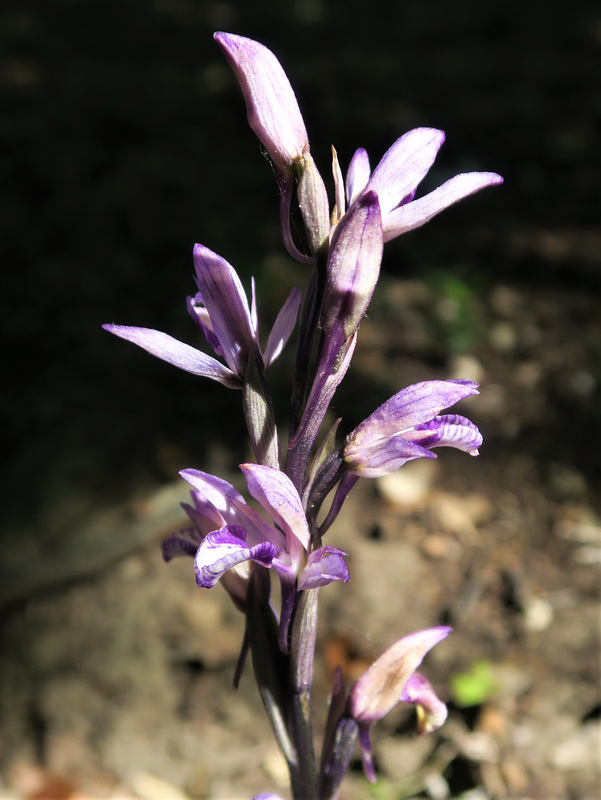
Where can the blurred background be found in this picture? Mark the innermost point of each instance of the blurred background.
(124, 141)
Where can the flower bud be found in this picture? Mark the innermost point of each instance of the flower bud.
(353, 265)
(272, 108)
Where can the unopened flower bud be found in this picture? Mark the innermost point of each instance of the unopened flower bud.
(272, 108)
(353, 265)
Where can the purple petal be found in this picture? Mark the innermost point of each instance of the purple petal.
(217, 491)
(177, 353)
(221, 550)
(225, 300)
(200, 315)
(380, 687)
(276, 493)
(384, 456)
(431, 712)
(449, 430)
(404, 166)
(228, 502)
(273, 112)
(357, 175)
(282, 327)
(323, 566)
(414, 405)
(181, 543)
(267, 796)
(412, 215)
(366, 757)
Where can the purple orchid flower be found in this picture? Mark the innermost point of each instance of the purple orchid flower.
(220, 309)
(392, 678)
(397, 176)
(407, 426)
(228, 534)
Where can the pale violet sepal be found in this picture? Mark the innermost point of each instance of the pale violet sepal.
(177, 353)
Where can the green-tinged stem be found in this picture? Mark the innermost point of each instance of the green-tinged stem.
(302, 654)
(259, 414)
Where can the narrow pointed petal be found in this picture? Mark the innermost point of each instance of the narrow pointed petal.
(380, 687)
(278, 497)
(366, 757)
(181, 543)
(347, 482)
(404, 166)
(338, 188)
(431, 712)
(412, 215)
(200, 315)
(282, 327)
(176, 353)
(448, 430)
(357, 175)
(225, 300)
(216, 490)
(414, 405)
(221, 550)
(324, 566)
(254, 318)
(203, 514)
(272, 108)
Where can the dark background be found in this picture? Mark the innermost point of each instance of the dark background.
(124, 141)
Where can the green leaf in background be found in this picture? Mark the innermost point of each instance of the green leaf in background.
(475, 686)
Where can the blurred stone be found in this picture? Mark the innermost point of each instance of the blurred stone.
(275, 766)
(505, 301)
(403, 756)
(409, 486)
(466, 366)
(502, 337)
(461, 514)
(515, 776)
(440, 546)
(538, 614)
(148, 787)
(493, 721)
(580, 750)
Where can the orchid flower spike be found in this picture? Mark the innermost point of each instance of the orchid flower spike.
(393, 678)
(407, 426)
(399, 173)
(220, 309)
